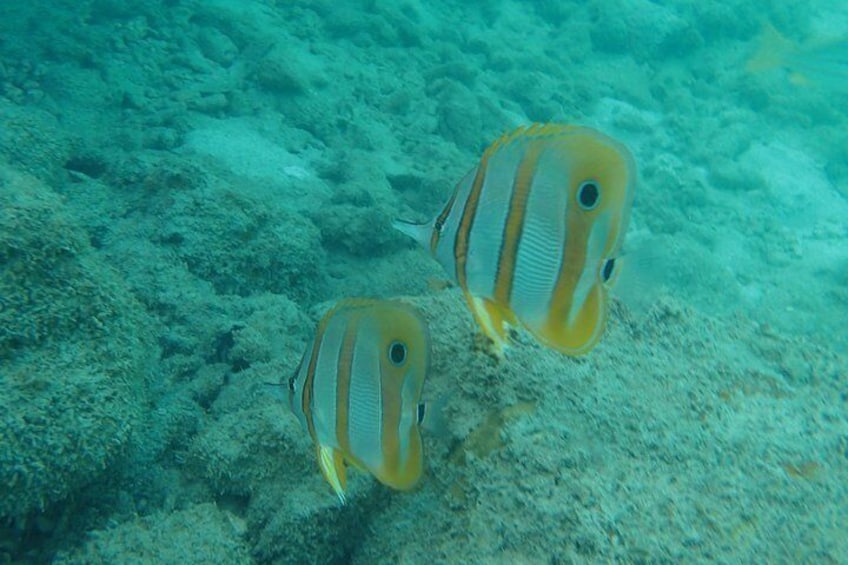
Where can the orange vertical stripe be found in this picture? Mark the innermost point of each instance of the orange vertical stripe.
(343, 374)
(469, 212)
(309, 381)
(572, 266)
(514, 226)
(440, 221)
(460, 249)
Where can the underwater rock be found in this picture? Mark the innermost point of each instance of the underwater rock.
(244, 246)
(289, 71)
(74, 350)
(645, 32)
(202, 533)
(258, 459)
(31, 140)
(358, 222)
(217, 46)
(363, 232)
(459, 114)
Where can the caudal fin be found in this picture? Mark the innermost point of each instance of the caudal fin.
(643, 272)
(431, 417)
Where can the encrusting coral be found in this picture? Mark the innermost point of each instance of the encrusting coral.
(74, 349)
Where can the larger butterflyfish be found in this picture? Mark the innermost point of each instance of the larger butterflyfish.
(533, 232)
(357, 391)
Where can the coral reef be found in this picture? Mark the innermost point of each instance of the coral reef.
(202, 533)
(183, 184)
(75, 348)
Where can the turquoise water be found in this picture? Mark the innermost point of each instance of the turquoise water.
(187, 186)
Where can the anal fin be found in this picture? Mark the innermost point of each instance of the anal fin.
(332, 466)
(493, 321)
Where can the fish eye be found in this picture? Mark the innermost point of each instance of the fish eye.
(588, 194)
(397, 353)
(607, 270)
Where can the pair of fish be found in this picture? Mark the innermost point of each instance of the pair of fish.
(532, 236)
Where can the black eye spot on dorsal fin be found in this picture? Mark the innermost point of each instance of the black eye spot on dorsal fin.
(588, 194)
(397, 353)
(608, 269)
(422, 408)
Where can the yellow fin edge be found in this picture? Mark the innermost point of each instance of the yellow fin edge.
(492, 320)
(332, 466)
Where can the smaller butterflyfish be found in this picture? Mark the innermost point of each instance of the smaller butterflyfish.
(819, 63)
(357, 392)
(533, 232)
